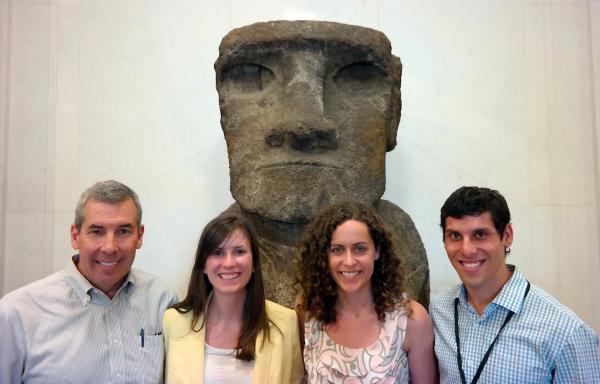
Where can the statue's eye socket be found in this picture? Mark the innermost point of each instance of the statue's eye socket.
(358, 77)
(247, 77)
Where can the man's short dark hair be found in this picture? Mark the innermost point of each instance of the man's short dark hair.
(473, 201)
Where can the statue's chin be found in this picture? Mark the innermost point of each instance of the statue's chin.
(299, 205)
(296, 194)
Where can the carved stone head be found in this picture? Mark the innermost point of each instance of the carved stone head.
(309, 110)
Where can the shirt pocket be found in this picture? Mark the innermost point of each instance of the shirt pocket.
(146, 359)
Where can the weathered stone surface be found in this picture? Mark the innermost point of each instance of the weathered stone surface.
(309, 110)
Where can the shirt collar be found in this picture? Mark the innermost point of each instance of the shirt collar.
(510, 296)
(83, 288)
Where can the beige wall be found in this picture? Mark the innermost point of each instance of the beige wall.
(499, 93)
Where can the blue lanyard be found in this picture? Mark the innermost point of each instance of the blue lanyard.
(487, 354)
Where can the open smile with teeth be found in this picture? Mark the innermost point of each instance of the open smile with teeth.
(107, 263)
(350, 273)
(472, 264)
(229, 276)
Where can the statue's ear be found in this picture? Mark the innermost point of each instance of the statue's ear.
(395, 103)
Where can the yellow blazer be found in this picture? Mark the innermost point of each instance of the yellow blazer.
(277, 362)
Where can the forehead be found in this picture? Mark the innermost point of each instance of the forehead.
(328, 37)
(98, 212)
(235, 238)
(470, 222)
(351, 229)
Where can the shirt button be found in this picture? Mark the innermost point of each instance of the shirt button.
(116, 341)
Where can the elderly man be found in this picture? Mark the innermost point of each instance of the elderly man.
(98, 320)
(309, 110)
(497, 327)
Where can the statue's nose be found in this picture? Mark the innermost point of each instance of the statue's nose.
(304, 80)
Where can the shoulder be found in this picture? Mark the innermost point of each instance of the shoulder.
(280, 315)
(175, 324)
(173, 317)
(555, 315)
(43, 289)
(153, 287)
(444, 299)
(419, 321)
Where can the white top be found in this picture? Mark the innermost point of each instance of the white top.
(221, 367)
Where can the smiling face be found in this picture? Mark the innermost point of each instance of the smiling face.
(308, 110)
(107, 242)
(351, 257)
(229, 267)
(476, 251)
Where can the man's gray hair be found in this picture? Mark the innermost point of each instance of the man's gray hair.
(109, 191)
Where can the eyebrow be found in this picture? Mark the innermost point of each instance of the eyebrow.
(273, 49)
(99, 226)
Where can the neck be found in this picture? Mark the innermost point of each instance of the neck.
(275, 231)
(480, 296)
(224, 308)
(354, 303)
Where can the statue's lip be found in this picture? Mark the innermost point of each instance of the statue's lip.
(305, 164)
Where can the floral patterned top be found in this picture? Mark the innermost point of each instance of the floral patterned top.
(384, 362)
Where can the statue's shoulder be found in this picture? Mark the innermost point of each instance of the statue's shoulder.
(233, 209)
(395, 217)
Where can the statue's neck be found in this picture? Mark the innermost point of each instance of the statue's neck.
(276, 231)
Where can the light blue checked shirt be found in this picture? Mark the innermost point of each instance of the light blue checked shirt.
(63, 330)
(544, 342)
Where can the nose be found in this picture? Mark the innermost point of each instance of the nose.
(348, 260)
(304, 126)
(304, 79)
(110, 245)
(228, 260)
(468, 248)
(303, 136)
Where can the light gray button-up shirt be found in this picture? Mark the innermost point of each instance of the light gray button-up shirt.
(63, 330)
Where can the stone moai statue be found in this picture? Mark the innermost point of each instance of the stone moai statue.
(309, 110)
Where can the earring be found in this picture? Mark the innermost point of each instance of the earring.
(506, 251)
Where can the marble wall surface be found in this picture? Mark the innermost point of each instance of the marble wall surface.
(501, 93)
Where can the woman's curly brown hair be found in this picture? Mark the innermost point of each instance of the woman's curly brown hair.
(317, 288)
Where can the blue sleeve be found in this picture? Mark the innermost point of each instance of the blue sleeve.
(579, 359)
(12, 345)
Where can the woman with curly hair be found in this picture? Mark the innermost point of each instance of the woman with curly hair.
(224, 331)
(359, 326)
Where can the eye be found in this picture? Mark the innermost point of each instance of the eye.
(96, 231)
(336, 250)
(360, 249)
(217, 252)
(247, 77)
(453, 236)
(481, 235)
(124, 231)
(240, 251)
(360, 77)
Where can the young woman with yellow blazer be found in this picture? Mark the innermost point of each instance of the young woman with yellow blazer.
(224, 330)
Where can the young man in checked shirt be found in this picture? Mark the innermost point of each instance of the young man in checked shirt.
(496, 327)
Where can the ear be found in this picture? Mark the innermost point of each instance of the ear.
(140, 236)
(74, 237)
(376, 254)
(507, 236)
(395, 108)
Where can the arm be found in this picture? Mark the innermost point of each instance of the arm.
(579, 360)
(297, 360)
(418, 344)
(12, 346)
